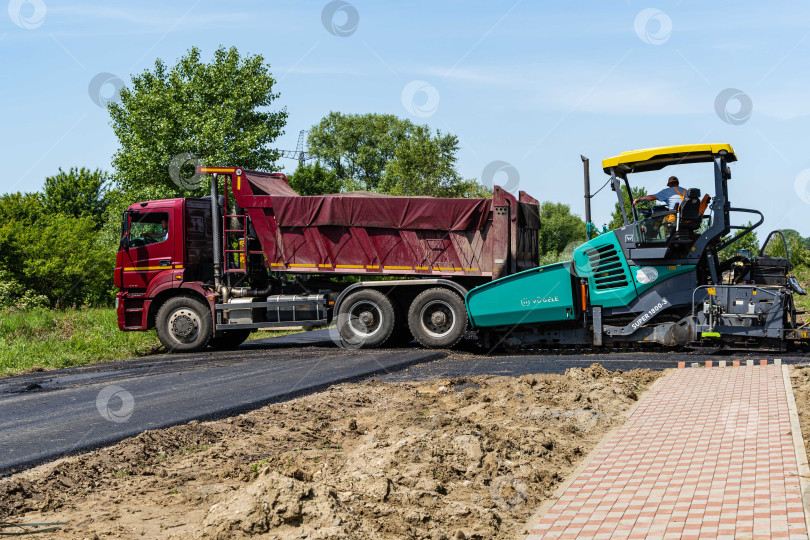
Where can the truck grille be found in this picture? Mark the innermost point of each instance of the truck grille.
(606, 266)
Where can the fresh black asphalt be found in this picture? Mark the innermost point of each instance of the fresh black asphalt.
(55, 413)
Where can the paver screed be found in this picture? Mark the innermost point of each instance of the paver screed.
(708, 453)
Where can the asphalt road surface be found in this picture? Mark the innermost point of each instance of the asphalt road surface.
(55, 413)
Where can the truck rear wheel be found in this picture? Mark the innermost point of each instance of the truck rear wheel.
(184, 324)
(437, 318)
(366, 319)
(230, 339)
(401, 336)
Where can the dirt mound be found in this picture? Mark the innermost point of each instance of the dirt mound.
(80, 475)
(275, 502)
(457, 458)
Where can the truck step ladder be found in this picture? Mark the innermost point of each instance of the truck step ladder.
(240, 236)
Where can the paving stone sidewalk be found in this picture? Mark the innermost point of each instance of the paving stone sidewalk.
(708, 453)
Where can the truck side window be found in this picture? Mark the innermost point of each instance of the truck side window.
(149, 228)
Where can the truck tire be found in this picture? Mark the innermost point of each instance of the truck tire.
(229, 339)
(437, 318)
(184, 324)
(366, 319)
(401, 336)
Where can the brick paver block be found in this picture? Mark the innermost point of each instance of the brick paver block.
(708, 453)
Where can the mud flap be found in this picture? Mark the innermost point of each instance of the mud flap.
(597, 325)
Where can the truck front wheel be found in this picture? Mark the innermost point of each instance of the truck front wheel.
(437, 318)
(230, 339)
(184, 324)
(366, 319)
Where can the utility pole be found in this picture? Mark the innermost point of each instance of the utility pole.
(586, 166)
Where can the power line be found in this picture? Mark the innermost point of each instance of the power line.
(300, 152)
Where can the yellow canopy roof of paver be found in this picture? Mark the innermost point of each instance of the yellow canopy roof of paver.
(654, 159)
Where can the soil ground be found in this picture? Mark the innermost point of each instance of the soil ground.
(453, 458)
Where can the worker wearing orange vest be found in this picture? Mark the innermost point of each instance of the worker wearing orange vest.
(671, 195)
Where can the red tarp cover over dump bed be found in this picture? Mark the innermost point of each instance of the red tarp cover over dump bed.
(365, 209)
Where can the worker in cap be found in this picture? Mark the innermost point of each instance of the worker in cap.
(671, 195)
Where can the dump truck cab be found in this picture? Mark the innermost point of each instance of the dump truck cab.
(165, 250)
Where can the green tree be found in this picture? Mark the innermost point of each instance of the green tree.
(14, 295)
(799, 254)
(25, 208)
(616, 220)
(216, 111)
(559, 227)
(388, 154)
(59, 257)
(424, 164)
(358, 146)
(77, 193)
(471, 188)
(747, 241)
(314, 180)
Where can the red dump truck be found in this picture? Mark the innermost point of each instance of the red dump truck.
(255, 254)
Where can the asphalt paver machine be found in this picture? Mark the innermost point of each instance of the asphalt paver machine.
(657, 280)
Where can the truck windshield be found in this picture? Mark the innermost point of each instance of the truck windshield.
(148, 228)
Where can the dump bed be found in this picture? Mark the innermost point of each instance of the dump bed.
(374, 234)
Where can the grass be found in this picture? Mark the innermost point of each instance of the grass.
(49, 339)
(194, 448)
(803, 302)
(267, 333)
(259, 465)
(45, 338)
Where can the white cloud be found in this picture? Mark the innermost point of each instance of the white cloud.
(146, 17)
(569, 86)
(785, 104)
(623, 97)
(572, 86)
(736, 46)
(318, 70)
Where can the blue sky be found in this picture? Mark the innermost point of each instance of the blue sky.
(531, 84)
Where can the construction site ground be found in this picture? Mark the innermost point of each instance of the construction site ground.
(462, 457)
